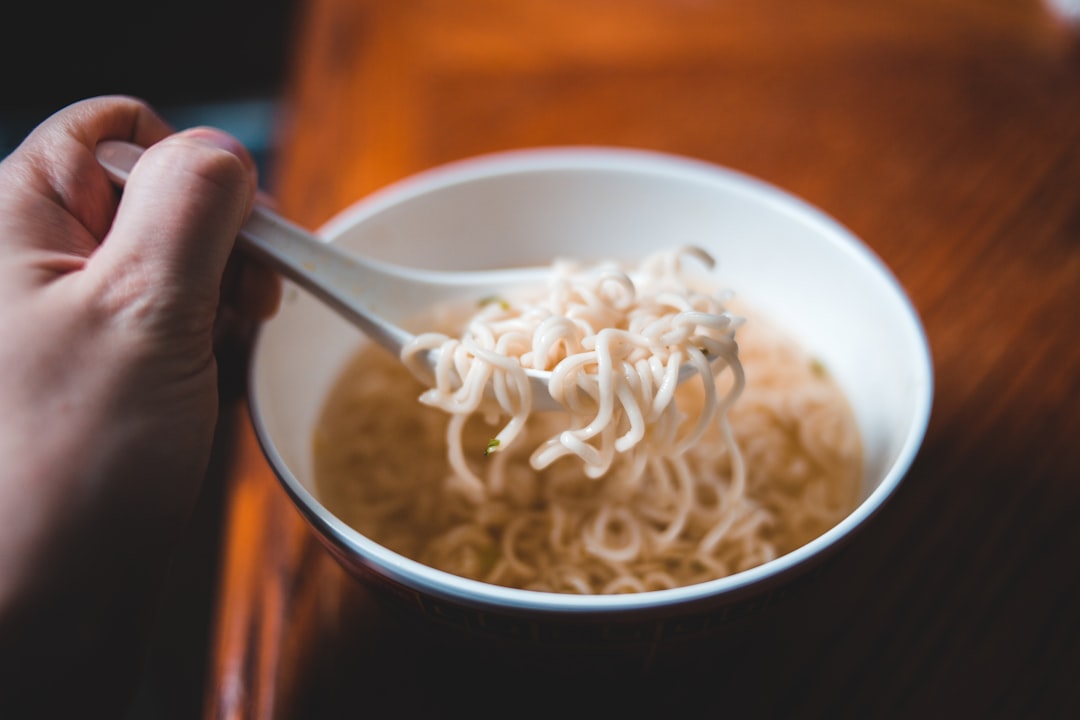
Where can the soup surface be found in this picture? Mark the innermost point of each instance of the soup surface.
(381, 466)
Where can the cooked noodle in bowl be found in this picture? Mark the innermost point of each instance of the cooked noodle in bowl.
(638, 484)
(638, 503)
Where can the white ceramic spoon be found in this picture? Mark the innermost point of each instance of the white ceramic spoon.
(375, 296)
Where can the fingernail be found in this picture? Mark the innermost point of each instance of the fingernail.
(218, 138)
(225, 141)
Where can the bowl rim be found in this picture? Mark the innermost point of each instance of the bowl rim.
(542, 159)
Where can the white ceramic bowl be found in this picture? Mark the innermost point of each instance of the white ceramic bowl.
(781, 256)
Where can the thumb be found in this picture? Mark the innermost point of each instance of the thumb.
(181, 210)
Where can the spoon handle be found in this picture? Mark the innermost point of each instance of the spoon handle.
(339, 278)
(342, 280)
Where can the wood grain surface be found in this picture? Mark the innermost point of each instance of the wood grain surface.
(945, 133)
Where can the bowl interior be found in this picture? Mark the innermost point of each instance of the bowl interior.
(780, 256)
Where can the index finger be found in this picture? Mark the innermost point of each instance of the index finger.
(55, 176)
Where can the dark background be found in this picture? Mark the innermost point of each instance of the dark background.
(198, 62)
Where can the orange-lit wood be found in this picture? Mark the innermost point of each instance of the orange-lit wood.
(945, 133)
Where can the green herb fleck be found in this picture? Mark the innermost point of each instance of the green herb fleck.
(496, 299)
(487, 557)
(492, 444)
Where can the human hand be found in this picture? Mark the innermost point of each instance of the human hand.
(108, 376)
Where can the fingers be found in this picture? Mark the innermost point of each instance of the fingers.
(258, 292)
(170, 236)
(251, 292)
(182, 207)
(55, 167)
(115, 117)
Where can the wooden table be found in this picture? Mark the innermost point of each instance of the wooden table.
(946, 133)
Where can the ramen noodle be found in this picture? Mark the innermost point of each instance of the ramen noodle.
(637, 485)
